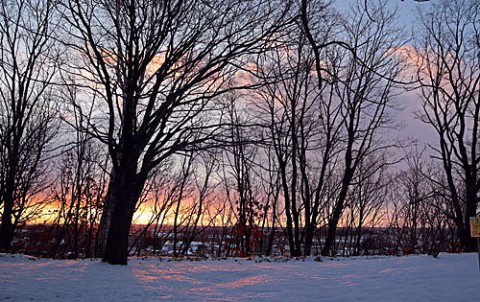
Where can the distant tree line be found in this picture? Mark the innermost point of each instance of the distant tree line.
(258, 126)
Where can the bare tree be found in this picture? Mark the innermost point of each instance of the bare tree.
(26, 106)
(80, 193)
(155, 67)
(449, 73)
(356, 68)
(327, 92)
(288, 107)
(361, 72)
(206, 165)
(271, 188)
(416, 194)
(367, 199)
(241, 178)
(79, 190)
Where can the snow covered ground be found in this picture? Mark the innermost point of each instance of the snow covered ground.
(412, 278)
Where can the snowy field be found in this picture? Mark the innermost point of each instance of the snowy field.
(412, 278)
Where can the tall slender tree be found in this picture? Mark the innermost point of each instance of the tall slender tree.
(448, 56)
(27, 69)
(361, 72)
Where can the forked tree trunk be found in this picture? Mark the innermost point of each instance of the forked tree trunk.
(337, 212)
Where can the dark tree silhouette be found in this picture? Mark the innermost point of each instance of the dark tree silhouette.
(359, 69)
(448, 56)
(155, 68)
(27, 68)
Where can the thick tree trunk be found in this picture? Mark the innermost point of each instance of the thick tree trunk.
(124, 191)
(7, 229)
(116, 249)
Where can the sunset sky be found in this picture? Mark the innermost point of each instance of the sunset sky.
(409, 125)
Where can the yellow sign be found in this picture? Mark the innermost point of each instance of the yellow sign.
(475, 226)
